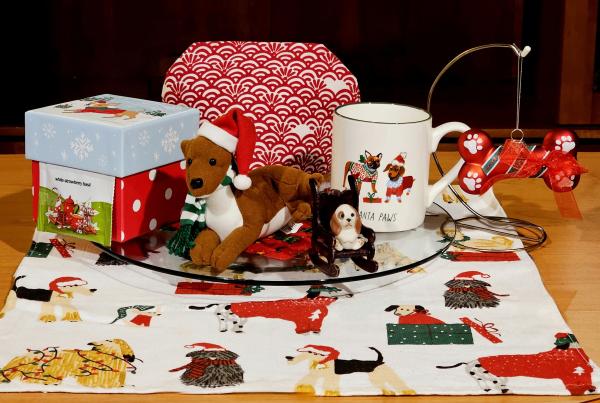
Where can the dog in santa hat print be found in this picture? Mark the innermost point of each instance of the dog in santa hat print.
(324, 365)
(397, 183)
(60, 293)
(566, 362)
(228, 207)
(211, 366)
(464, 291)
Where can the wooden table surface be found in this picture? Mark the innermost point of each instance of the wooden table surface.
(569, 264)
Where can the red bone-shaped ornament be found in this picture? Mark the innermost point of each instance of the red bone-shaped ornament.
(555, 161)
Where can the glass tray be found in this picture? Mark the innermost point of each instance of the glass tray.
(397, 252)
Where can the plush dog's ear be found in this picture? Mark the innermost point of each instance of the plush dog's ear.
(334, 224)
(380, 155)
(391, 308)
(185, 146)
(419, 308)
(367, 154)
(387, 167)
(357, 222)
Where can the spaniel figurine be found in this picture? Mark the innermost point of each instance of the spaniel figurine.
(346, 226)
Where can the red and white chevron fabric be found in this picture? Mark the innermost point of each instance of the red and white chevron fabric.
(289, 89)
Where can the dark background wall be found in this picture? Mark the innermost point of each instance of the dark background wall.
(55, 51)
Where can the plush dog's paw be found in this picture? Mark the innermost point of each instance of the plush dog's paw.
(302, 212)
(221, 258)
(206, 243)
(200, 255)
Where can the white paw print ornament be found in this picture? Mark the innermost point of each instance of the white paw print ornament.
(564, 143)
(472, 181)
(473, 143)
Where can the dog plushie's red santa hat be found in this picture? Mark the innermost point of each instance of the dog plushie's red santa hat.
(468, 275)
(330, 353)
(399, 160)
(57, 283)
(206, 346)
(236, 133)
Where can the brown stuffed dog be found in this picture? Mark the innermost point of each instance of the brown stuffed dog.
(228, 207)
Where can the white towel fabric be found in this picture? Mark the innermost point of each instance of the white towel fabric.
(145, 338)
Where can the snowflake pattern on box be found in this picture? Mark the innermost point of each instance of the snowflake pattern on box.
(171, 141)
(48, 130)
(289, 89)
(82, 146)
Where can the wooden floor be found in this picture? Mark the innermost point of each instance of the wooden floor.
(569, 265)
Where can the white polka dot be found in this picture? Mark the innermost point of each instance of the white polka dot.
(182, 164)
(137, 204)
(122, 184)
(152, 174)
(122, 235)
(152, 224)
(168, 193)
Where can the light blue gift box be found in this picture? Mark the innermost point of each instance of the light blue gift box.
(109, 134)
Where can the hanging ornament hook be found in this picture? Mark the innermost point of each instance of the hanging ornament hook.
(520, 53)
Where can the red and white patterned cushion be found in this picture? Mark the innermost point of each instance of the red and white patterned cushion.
(289, 89)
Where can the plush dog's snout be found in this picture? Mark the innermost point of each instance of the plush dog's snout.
(348, 219)
(289, 357)
(93, 289)
(196, 183)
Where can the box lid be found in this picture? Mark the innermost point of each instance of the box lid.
(109, 134)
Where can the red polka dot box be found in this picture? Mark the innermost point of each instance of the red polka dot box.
(142, 202)
(289, 89)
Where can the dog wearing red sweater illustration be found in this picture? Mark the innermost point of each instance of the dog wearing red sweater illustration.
(307, 313)
(566, 362)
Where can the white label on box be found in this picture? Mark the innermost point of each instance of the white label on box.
(75, 203)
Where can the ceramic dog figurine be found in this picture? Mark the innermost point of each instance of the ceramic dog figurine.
(346, 226)
(228, 207)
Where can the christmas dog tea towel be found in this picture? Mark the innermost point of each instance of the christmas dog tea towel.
(78, 320)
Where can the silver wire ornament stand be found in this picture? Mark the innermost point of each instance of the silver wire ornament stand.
(531, 235)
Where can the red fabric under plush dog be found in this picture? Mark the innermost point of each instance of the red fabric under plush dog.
(228, 207)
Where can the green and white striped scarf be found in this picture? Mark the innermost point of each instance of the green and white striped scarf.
(193, 220)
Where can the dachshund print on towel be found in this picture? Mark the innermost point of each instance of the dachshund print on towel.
(307, 313)
(566, 362)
